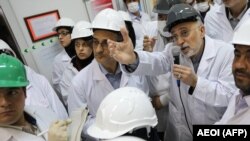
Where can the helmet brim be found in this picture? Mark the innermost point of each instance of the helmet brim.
(168, 28)
(96, 132)
(8, 84)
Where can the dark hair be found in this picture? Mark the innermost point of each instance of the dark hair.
(70, 49)
(66, 27)
(131, 32)
(131, 1)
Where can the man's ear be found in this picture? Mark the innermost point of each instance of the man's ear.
(203, 31)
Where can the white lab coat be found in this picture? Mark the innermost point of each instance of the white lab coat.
(44, 118)
(157, 87)
(60, 62)
(40, 93)
(152, 31)
(68, 74)
(215, 85)
(90, 86)
(218, 1)
(140, 30)
(242, 117)
(217, 24)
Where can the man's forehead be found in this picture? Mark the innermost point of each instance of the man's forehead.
(181, 26)
(103, 34)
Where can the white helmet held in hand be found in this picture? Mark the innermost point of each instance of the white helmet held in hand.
(126, 138)
(108, 19)
(6, 48)
(121, 111)
(64, 22)
(242, 34)
(81, 29)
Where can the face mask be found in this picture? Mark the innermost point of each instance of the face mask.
(133, 7)
(203, 6)
(189, 1)
(161, 25)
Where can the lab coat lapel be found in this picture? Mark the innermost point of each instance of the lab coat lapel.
(208, 55)
(32, 112)
(243, 19)
(241, 118)
(100, 77)
(124, 80)
(221, 11)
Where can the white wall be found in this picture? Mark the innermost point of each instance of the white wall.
(42, 56)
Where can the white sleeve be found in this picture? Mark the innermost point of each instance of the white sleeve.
(153, 63)
(76, 97)
(55, 102)
(56, 76)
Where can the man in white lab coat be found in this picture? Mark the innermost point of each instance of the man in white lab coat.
(201, 86)
(39, 92)
(139, 20)
(19, 123)
(103, 75)
(64, 29)
(223, 20)
(156, 40)
(238, 111)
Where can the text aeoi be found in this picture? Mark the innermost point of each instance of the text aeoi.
(208, 132)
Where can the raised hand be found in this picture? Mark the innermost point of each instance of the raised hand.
(148, 43)
(123, 52)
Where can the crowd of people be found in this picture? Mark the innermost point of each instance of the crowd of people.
(136, 79)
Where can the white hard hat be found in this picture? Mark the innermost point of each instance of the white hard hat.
(121, 111)
(81, 29)
(242, 34)
(125, 15)
(108, 19)
(5, 46)
(126, 138)
(65, 22)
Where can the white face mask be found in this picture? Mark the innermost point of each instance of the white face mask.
(203, 6)
(161, 25)
(189, 1)
(133, 7)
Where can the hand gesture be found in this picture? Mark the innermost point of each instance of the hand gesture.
(123, 52)
(148, 43)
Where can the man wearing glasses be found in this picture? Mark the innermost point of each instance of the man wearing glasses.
(103, 74)
(200, 85)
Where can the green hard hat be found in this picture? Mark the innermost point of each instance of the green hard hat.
(12, 72)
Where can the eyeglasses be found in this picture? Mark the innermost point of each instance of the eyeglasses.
(104, 43)
(183, 34)
(63, 34)
(6, 51)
